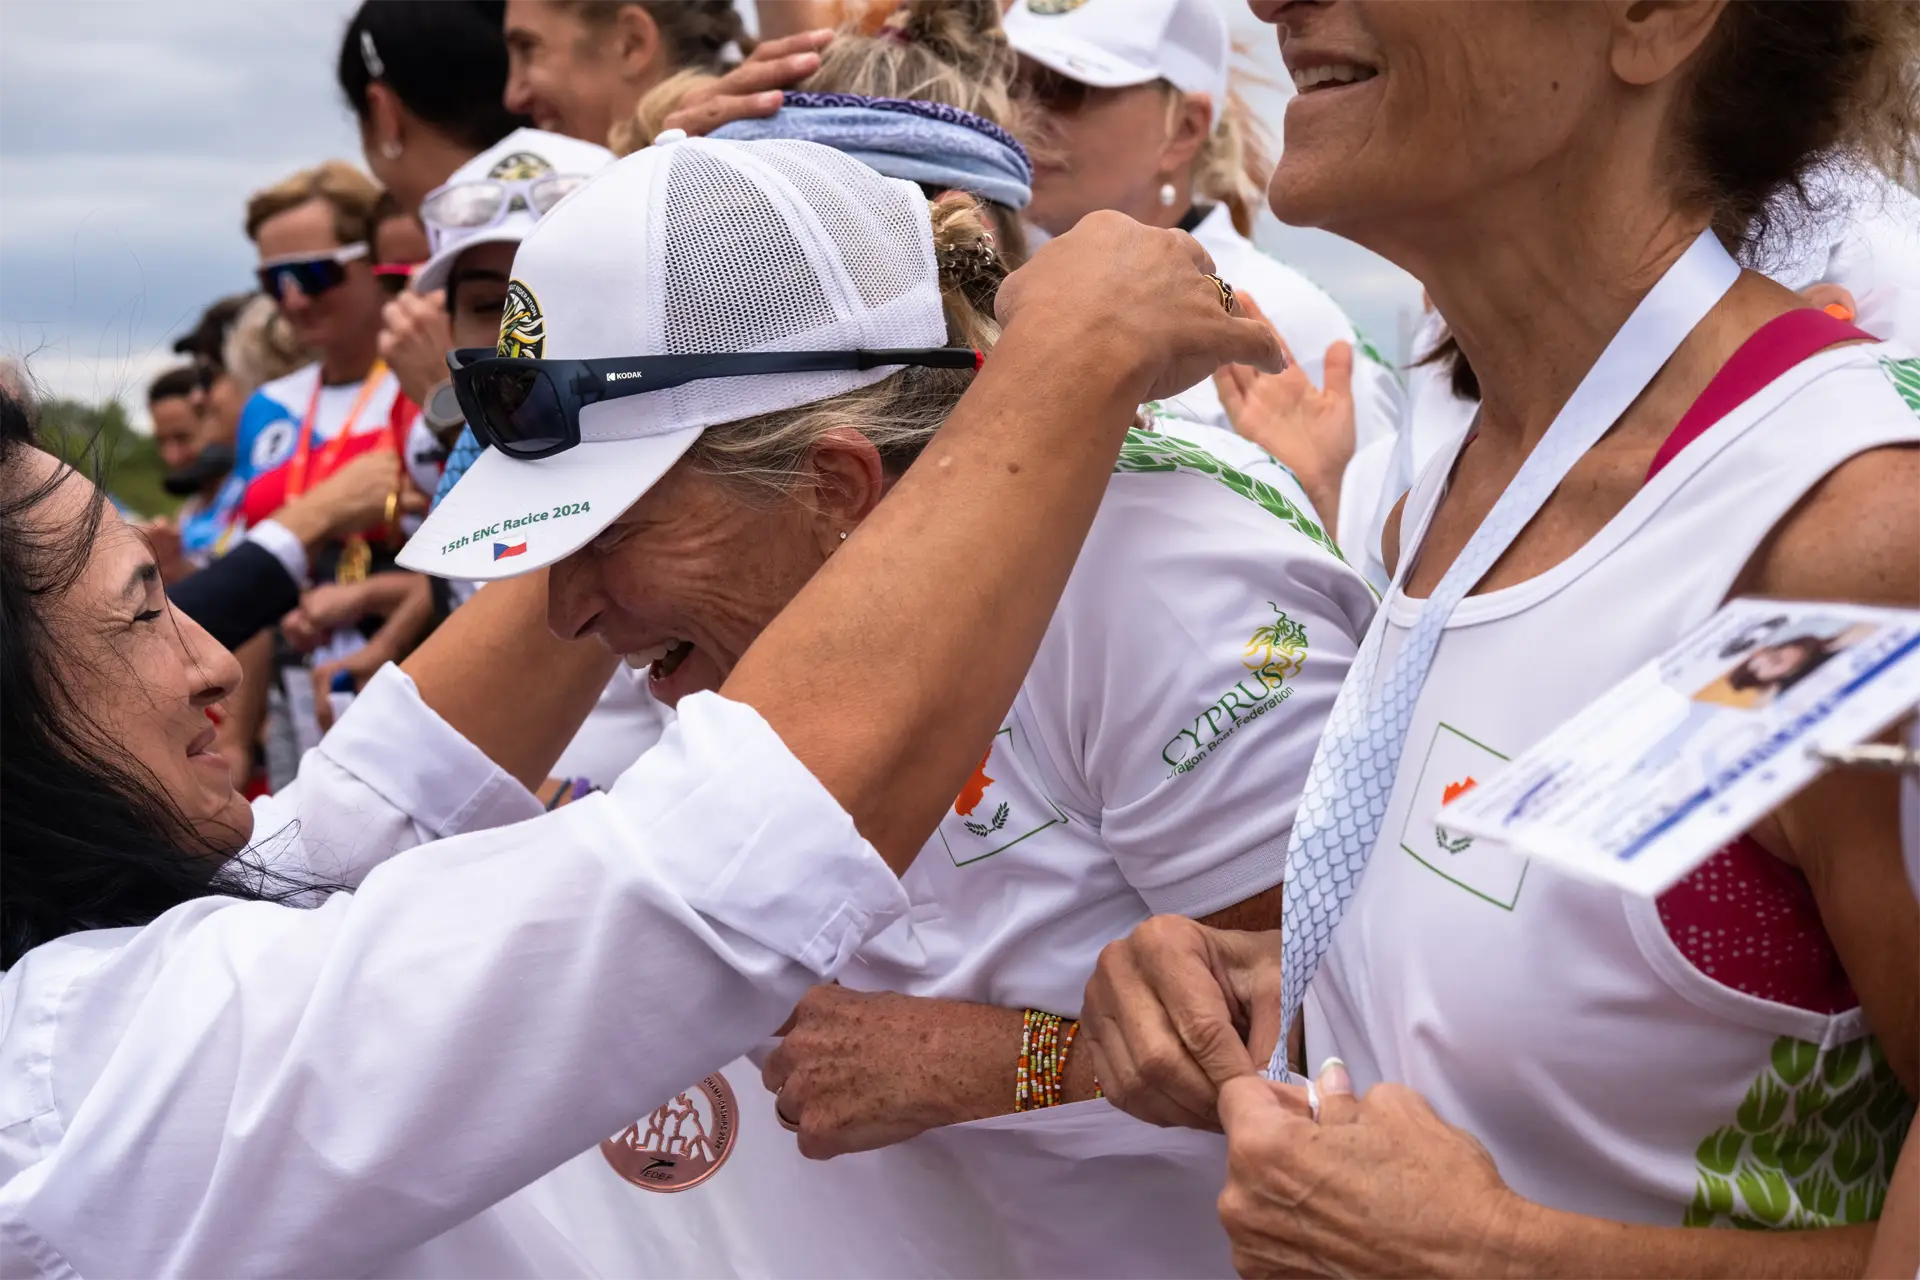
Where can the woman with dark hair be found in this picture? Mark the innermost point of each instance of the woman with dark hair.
(1532, 1074)
(202, 1079)
(424, 79)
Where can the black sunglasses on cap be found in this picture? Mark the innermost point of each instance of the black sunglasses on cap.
(530, 408)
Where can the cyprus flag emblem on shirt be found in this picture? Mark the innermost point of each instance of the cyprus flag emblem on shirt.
(1455, 764)
(997, 808)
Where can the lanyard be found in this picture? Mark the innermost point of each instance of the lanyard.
(330, 452)
(1358, 758)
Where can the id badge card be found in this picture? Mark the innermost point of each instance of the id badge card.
(1654, 777)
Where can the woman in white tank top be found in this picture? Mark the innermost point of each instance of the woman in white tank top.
(1554, 1078)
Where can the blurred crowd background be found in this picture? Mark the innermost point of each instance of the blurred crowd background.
(134, 133)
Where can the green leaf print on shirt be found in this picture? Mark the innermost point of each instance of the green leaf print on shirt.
(1905, 375)
(1147, 450)
(1812, 1144)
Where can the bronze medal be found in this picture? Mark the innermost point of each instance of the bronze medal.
(356, 561)
(680, 1145)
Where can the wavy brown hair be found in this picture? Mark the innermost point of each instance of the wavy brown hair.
(1783, 88)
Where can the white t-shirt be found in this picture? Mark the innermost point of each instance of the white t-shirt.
(1308, 319)
(1151, 762)
(1381, 471)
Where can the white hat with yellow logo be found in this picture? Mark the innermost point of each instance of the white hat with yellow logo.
(694, 283)
(498, 196)
(1110, 44)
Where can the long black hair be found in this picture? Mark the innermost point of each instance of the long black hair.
(446, 60)
(88, 837)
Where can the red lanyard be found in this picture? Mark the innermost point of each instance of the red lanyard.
(330, 452)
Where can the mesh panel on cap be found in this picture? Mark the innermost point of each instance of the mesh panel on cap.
(727, 244)
(752, 246)
(881, 241)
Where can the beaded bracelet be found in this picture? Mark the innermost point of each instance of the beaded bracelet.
(1040, 1073)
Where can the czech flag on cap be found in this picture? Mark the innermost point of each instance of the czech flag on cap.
(501, 550)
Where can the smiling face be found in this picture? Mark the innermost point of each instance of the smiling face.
(140, 676)
(558, 73)
(1776, 662)
(342, 314)
(1405, 109)
(687, 578)
(1102, 149)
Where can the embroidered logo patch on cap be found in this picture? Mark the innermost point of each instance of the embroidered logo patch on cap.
(520, 166)
(523, 330)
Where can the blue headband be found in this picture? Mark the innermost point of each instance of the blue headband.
(924, 142)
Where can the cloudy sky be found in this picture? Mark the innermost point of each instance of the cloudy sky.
(131, 133)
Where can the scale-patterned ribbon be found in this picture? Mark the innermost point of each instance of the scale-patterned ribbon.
(1358, 758)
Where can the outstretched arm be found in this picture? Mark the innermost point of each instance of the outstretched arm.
(486, 977)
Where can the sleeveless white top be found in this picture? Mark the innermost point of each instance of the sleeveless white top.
(1577, 1031)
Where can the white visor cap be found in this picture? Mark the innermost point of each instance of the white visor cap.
(522, 155)
(1113, 43)
(690, 246)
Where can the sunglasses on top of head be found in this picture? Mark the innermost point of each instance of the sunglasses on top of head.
(313, 273)
(530, 408)
(483, 202)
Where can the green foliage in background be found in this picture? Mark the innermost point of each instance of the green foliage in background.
(98, 440)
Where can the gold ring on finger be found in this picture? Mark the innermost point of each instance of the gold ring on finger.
(1226, 293)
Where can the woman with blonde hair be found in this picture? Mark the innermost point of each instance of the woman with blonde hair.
(1146, 764)
(205, 1077)
(922, 90)
(1136, 111)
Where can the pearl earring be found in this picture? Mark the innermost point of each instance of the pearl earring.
(1167, 194)
(391, 149)
(843, 535)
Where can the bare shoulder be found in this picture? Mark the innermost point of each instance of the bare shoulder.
(1855, 536)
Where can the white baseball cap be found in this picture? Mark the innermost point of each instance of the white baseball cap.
(1113, 43)
(691, 246)
(523, 156)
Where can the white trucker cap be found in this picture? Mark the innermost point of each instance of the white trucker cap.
(690, 246)
(522, 155)
(1113, 43)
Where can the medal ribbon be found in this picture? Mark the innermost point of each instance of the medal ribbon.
(330, 452)
(1358, 757)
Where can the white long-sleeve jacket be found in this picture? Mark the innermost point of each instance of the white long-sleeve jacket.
(360, 1088)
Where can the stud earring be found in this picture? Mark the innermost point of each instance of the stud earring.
(843, 535)
(391, 149)
(1167, 194)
